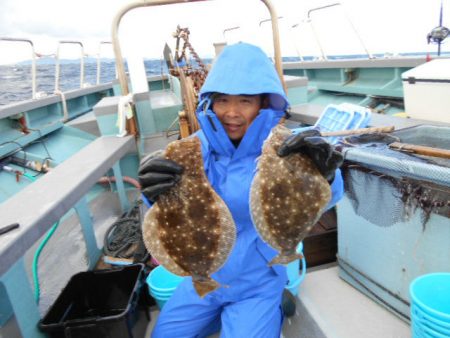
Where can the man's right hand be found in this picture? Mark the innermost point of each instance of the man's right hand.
(156, 175)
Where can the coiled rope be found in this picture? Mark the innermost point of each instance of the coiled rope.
(123, 239)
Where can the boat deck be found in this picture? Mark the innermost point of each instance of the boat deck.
(328, 307)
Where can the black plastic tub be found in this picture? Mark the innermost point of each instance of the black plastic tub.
(100, 303)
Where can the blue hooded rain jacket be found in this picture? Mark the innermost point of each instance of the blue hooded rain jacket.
(249, 305)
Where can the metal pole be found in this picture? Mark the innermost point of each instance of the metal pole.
(276, 42)
(294, 42)
(98, 59)
(357, 34)
(57, 62)
(82, 66)
(148, 3)
(267, 20)
(226, 30)
(33, 61)
(316, 37)
(131, 125)
(348, 19)
(115, 34)
(57, 68)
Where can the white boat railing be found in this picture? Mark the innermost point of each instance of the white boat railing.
(33, 61)
(229, 29)
(316, 37)
(132, 128)
(99, 59)
(309, 20)
(269, 20)
(57, 62)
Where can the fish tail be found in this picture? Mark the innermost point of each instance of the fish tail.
(285, 258)
(204, 285)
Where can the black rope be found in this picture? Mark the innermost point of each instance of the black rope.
(123, 239)
(42, 141)
(15, 150)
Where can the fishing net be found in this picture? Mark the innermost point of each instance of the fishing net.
(387, 186)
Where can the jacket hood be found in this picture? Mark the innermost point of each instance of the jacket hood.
(245, 69)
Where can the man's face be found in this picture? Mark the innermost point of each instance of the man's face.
(236, 113)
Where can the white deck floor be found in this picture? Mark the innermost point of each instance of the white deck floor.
(341, 311)
(329, 307)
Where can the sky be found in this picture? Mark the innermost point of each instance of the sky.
(384, 26)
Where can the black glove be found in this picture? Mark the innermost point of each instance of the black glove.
(156, 175)
(309, 142)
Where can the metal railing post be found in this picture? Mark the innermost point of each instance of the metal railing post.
(295, 44)
(348, 19)
(57, 63)
(132, 128)
(229, 29)
(33, 61)
(99, 61)
(276, 42)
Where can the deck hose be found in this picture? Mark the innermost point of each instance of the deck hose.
(37, 290)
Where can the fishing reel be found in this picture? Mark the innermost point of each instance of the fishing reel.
(438, 35)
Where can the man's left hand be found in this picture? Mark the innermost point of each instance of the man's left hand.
(322, 153)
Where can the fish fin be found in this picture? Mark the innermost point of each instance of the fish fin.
(285, 258)
(205, 286)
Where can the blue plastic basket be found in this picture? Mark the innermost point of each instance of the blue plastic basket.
(361, 117)
(431, 294)
(421, 319)
(430, 305)
(334, 118)
(423, 331)
(424, 317)
(162, 283)
(295, 275)
(161, 301)
(344, 116)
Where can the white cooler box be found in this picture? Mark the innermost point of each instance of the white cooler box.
(427, 91)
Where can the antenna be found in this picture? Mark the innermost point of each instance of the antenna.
(439, 33)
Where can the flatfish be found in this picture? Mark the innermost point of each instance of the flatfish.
(189, 229)
(287, 197)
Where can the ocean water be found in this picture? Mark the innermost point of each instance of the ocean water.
(15, 80)
(16, 84)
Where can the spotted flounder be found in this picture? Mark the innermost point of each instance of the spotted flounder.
(287, 197)
(190, 230)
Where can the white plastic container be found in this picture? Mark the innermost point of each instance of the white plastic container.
(427, 91)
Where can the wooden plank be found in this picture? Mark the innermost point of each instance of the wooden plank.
(320, 249)
(320, 246)
(329, 220)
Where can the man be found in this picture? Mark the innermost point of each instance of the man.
(240, 102)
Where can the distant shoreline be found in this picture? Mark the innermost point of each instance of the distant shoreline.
(48, 60)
